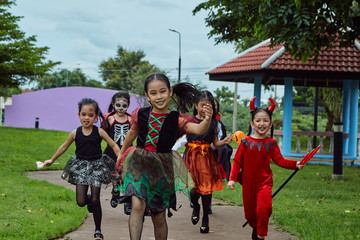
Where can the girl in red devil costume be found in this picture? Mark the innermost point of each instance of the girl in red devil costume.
(253, 157)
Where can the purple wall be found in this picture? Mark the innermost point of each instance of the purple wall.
(57, 108)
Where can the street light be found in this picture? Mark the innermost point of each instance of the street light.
(179, 51)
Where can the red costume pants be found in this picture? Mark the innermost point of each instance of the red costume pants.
(258, 208)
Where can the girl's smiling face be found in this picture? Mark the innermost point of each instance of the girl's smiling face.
(87, 115)
(261, 124)
(158, 94)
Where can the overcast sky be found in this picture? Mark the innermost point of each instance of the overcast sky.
(83, 33)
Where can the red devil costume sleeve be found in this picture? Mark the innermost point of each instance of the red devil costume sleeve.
(253, 156)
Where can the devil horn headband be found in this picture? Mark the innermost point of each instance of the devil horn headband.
(271, 108)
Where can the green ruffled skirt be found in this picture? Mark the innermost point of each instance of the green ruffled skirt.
(154, 177)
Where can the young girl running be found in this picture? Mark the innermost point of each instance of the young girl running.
(118, 125)
(89, 167)
(150, 171)
(204, 166)
(253, 156)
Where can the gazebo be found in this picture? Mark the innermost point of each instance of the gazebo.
(338, 67)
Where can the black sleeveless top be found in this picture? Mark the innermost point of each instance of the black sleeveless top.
(88, 147)
(208, 136)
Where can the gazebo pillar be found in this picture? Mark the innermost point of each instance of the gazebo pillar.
(257, 90)
(354, 105)
(346, 113)
(287, 119)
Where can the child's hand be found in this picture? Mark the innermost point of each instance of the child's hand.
(228, 139)
(231, 185)
(299, 166)
(48, 163)
(208, 110)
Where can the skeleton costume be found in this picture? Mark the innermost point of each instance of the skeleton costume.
(117, 131)
(151, 170)
(253, 157)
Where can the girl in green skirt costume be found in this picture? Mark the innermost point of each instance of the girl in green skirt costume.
(151, 172)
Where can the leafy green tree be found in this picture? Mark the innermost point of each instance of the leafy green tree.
(7, 92)
(331, 99)
(20, 60)
(65, 78)
(127, 71)
(304, 26)
(224, 95)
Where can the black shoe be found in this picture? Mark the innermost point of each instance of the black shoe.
(90, 206)
(115, 199)
(113, 202)
(98, 235)
(127, 208)
(147, 212)
(195, 216)
(204, 227)
(254, 234)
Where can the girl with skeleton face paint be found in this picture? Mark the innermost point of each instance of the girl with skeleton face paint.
(118, 121)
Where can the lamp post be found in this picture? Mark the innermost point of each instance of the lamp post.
(172, 30)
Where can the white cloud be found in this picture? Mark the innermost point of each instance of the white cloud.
(82, 33)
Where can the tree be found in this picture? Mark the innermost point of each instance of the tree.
(65, 78)
(20, 60)
(224, 95)
(331, 99)
(127, 71)
(304, 27)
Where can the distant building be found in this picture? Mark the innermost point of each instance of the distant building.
(3, 102)
(57, 108)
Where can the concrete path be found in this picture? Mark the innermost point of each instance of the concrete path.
(225, 222)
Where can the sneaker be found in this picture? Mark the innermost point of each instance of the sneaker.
(98, 235)
(90, 206)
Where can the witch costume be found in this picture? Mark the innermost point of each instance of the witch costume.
(151, 170)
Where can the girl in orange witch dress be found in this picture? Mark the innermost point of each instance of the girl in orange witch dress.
(205, 169)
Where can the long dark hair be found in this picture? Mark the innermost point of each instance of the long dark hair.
(120, 94)
(88, 101)
(184, 94)
(205, 95)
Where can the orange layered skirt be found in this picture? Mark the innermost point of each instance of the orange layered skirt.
(205, 169)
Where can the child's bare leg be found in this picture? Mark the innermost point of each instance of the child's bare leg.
(136, 218)
(160, 226)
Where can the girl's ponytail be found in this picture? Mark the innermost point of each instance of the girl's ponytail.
(186, 95)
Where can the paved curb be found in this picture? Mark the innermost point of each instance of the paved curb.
(225, 222)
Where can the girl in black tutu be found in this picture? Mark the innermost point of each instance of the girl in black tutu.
(89, 167)
(151, 172)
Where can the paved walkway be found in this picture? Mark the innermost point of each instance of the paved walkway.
(225, 222)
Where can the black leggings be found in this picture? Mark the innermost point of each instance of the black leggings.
(81, 199)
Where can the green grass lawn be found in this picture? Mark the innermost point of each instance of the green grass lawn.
(32, 209)
(312, 205)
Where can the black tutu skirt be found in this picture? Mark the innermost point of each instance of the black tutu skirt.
(89, 172)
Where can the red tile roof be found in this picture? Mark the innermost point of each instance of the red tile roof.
(262, 57)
